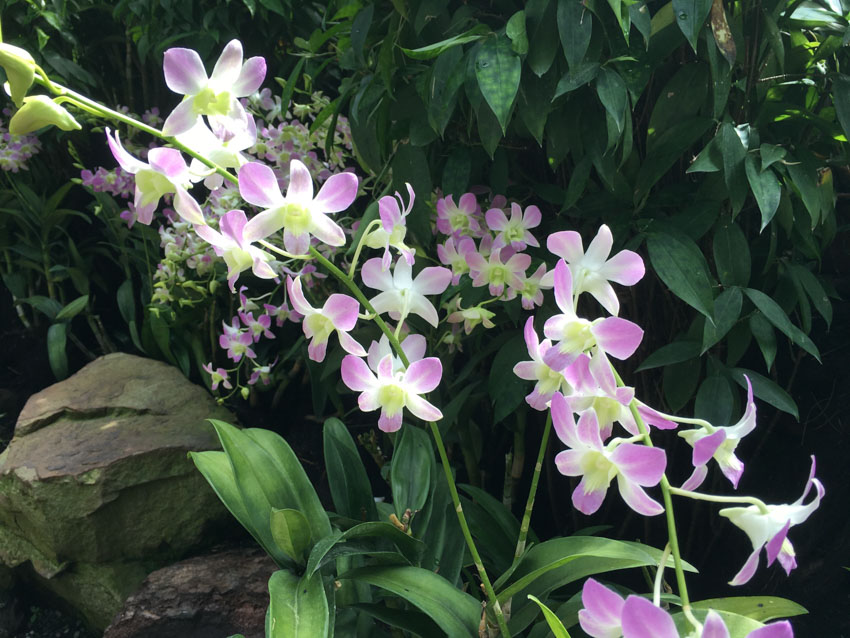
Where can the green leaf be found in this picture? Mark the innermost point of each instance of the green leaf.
(506, 390)
(349, 484)
(289, 87)
(575, 26)
(679, 382)
(774, 313)
(456, 612)
(770, 154)
(447, 78)
(737, 626)
(727, 309)
(814, 290)
(681, 266)
(734, 153)
(410, 165)
(766, 189)
(680, 98)
(760, 608)
(45, 305)
(411, 470)
(433, 50)
(498, 71)
(515, 30)
(668, 150)
(675, 352)
(555, 624)
(360, 30)
(690, 16)
(72, 309)
(613, 94)
(767, 390)
(576, 78)
(714, 401)
(542, 35)
(291, 532)
(731, 255)
(456, 172)
(841, 101)
(804, 177)
(765, 337)
(57, 335)
(298, 607)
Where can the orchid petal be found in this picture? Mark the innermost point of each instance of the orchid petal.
(640, 464)
(637, 499)
(421, 408)
(342, 311)
(228, 65)
(424, 375)
(300, 184)
(181, 119)
(250, 77)
(184, 71)
(337, 193)
(258, 185)
(642, 619)
(566, 244)
(618, 337)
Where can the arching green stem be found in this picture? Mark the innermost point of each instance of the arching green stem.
(535, 478)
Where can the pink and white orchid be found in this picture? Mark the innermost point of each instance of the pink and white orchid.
(592, 270)
(392, 390)
(236, 341)
(393, 228)
(238, 253)
(402, 295)
(516, 231)
(165, 172)
(455, 254)
(532, 286)
(573, 335)
(719, 443)
(298, 213)
(339, 314)
(215, 96)
(549, 381)
(769, 529)
(495, 273)
(634, 466)
(413, 347)
(458, 219)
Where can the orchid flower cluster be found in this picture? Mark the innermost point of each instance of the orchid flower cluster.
(16, 150)
(289, 228)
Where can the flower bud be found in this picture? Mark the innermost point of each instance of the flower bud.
(39, 111)
(20, 71)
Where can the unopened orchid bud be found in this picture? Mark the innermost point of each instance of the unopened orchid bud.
(20, 71)
(39, 111)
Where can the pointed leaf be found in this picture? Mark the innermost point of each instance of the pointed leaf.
(411, 470)
(675, 352)
(57, 336)
(841, 101)
(760, 608)
(291, 532)
(766, 189)
(349, 484)
(433, 50)
(575, 27)
(515, 30)
(714, 401)
(814, 290)
(690, 16)
(734, 153)
(72, 309)
(542, 34)
(613, 94)
(774, 313)
(555, 624)
(731, 255)
(298, 607)
(765, 337)
(498, 70)
(767, 390)
(727, 309)
(681, 266)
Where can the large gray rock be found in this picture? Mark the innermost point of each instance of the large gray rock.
(96, 489)
(209, 596)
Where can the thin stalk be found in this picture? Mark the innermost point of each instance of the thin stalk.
(713, 498)
(532, 492)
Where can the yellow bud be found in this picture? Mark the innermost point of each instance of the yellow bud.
(39, 111)
(20, 70)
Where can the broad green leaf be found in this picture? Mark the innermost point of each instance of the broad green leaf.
(456, 172)
(575, 26)
(542, 34)
(737, 626)
(298, 606)
(289, 87)
(613, 94)
(727, 309)
(766, 189)
(709, 159)
(349, 484)
(456, 612)
(734, 152)
(57, 335)
(639, 14)
(411, 470)
(680, 98)
(770, 154)
(804, 178)
(535, 97)
(731, 255)
(667, 152)
(384, 535)
(690, 16)
(447, 78)
(360, 30)
(515, 30)
(555, 624)
(72, 309)
(774, 313)
(45, 305)
(498, 70)
(679, 382)
(433, 50)
(760, 608)
(721, 65)
(767, 390)
(291, 532)
(408, 619)
(714, 401)
(411, 166)
(675, 352)
(576, 78)
(765, 337)
(814, 290)
(506, 390)
(681, 266)
(841, 101)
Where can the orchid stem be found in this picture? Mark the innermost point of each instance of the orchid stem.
(699, 496)
(353, 268)
(532, 492)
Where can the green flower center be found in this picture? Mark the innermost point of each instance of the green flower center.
(391, 398)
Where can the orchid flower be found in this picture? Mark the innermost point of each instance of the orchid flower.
(392, 391)
(217, 376)
(401, 294)
(634, 466)
(495, 273)
(259, 327)
(720, 443)
(339, 314)
(413, 347)
(471, 317)
(238, 253)
(458, 219)
(531, 288)
(166, 173)
(456, 256)
(262, 373)
(393, 228)
(549, 381)
(516, 231)
(592, 270)
(214, 96)
(236, 341)
(222, 147)
(715, 628)
(574, 335)
(298, 213)
(770, 530)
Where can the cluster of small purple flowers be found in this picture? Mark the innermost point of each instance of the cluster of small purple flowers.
(15, 150)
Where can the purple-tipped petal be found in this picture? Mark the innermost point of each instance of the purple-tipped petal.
(342, 311)
(421, 408)
(356, 374)
(169, 162)
(705, 447)
(300, 188)
(714, 626)
(375, 276)
(212, 237)
(748, 570)
(599, 249)
(419, 305)
(181, 119)
(602, 611)
(184, 71)
(233, 224)
(389, 422)
(414, 347)
(250, 77)
(563, 421)
(696, 478)
(228, 66)
(781, 629)
(496, 220)
(262, 270)
(564, 287)
(604, 293)
(588, 502)
(618, 337)
(566, 244)
(337, 193)
(258, 185)
(626, 268)
(124, 159)
(642, 619)
(296, 296)
(569, 462)
(433, 280)
(640, 464)
(327, 230)
(774, 545)
(187, 207)
(424, 375)
(636, 498)
(263, 225)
